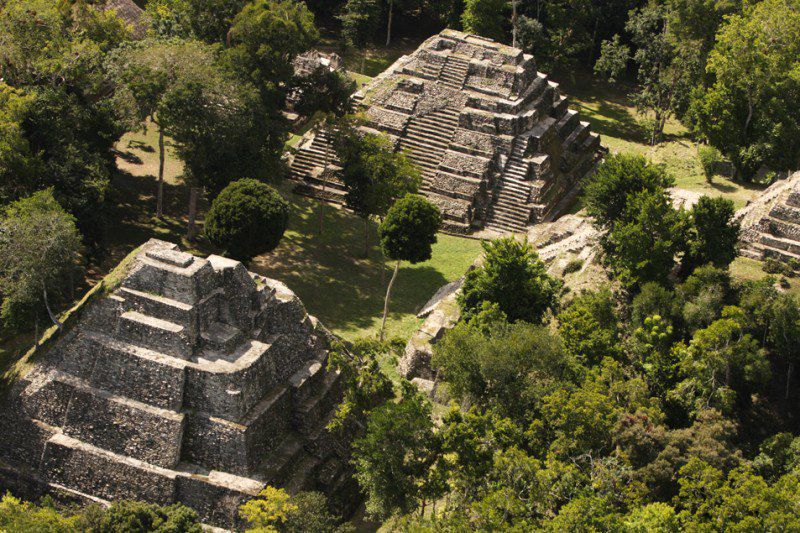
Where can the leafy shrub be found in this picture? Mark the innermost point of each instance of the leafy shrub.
(775, 266)
(514, 278)
(710, 159)
(573, 266)
(247, 219)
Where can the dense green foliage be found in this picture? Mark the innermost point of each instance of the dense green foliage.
(275, 510)
(485, 17)
(63, 116)
(16, 515)
(620, 176)
(374, 175)
(514, 278)
(248, 218)
(409, 229)
(646, 238)
(39, 254)
(750, 111)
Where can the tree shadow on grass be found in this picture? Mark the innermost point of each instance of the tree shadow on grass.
(131, 216)
(330, 275)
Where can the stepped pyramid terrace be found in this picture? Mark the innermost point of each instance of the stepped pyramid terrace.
(495, 142)
(771, 222)
(194, 381)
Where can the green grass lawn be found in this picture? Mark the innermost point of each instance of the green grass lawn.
(341, 287)
(612, 114)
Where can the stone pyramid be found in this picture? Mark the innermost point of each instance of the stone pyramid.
(771, 222)
(493, 138)
(194, 381)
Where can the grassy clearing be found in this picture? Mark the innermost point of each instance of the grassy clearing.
(342, 288)
(746, 269)
(612, 114)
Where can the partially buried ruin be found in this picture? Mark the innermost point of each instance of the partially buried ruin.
(194, 381)
(771, 223)
(493, 138)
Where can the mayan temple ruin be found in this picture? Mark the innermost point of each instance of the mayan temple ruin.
(193, 381)
(771, 223)
(493, 137)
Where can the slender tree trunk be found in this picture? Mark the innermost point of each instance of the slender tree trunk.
(364, 61)
(322, 202)
(366, 237)
(191, 230)
(160, 194)
(514, 23)
(389, 26)
(50, 311)
(388, 295)
(788, 379)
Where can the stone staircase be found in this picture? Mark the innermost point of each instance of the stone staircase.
(454, 73)
(778, 234)
(309, 164)
(460, 105)
(428, 137)
(510, 209)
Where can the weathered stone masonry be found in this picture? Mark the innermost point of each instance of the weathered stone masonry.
(494, 139)
(194, 382)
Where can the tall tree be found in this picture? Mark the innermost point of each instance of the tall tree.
(248, 218)
(39, 252)
(618, 178)
(784, 332)
(486, 18)
(220, 131)
(751, 112)
(396, 458)
(513, 277)
(150, 68)
(360, 21)
(644, 245)
(407, 234)
(714, 233)
(666, 72)
(54, 52)
(374, 175)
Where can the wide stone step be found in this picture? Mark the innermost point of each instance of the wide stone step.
(309, 412)
(156, 334)
(92, 470)
(501, 213)
(782, 228)
(567, 123)
(437, 138)
(123, 426)
(126, 370)
(577, 137)
(306, 380)
(280, 463)
(155, 305)
(780, 243)
(777, 253)
(786, 213)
